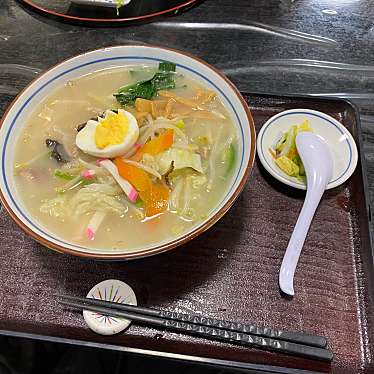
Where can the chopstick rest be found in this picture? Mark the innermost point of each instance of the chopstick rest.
(110, 290)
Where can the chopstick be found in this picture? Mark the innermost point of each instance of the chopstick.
(295, 337)
(204, 329)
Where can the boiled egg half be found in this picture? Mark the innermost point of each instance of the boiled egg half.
(111, 135)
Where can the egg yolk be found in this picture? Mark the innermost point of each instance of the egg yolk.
(112, 130)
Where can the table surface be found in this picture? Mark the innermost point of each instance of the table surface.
(315, 47)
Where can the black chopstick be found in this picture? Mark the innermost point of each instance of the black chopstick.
(295, 337)
(211, 332)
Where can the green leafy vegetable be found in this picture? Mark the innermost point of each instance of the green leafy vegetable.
(289, 147)
(286, 156)
(139, 203)
(143, 73)
(164, 79)
(142, 89)
(167, 66)
(119, 4)
(229, 158)
(62, 175)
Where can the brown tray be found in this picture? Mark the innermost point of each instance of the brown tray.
(230, 272)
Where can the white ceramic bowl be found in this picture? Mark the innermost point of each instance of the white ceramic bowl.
(340, 141)
(16, 117)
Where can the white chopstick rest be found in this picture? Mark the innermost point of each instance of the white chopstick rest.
(109, 290)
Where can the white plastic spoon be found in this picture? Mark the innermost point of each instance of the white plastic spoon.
(318, 164)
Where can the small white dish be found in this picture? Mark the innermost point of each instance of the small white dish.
(339, 139)
(109, 290)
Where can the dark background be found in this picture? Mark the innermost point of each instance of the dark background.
(28, 356)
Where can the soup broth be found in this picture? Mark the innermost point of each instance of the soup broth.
(78, 199)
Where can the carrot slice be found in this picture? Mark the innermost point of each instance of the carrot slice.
(154, 195)
(155, 200)
(137, 156)
(137, 177)
(155, 146)
(159, 144)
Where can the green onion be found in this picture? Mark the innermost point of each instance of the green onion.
(62, 175)
(139, 203)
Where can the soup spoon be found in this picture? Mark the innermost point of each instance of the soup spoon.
(316, 157)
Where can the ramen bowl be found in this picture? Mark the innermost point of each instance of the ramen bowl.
(16, 118)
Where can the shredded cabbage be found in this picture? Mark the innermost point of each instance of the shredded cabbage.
(90, 198)
(198, 181)
(144, 167)
(187, 197)
(182, 158)
(175, 194)
(288, 166)
(96, 196)
(286, 156)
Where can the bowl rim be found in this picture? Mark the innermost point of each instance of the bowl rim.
(160, 248)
